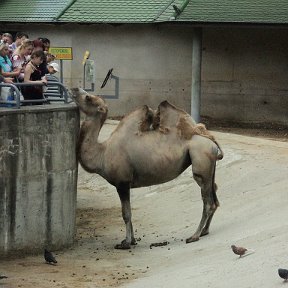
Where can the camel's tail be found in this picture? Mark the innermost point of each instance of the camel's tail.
(220, 153)
(214, 187)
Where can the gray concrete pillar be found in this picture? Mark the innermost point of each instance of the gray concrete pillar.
(38, 178)
(196, 74)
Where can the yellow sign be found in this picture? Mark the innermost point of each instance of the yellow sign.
(61, 53)
(86, 56)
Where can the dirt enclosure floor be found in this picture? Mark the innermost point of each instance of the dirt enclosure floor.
(253, 193)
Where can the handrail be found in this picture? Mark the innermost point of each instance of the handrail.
(13, 86)
(18, 101)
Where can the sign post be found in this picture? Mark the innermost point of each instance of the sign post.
(61, 53)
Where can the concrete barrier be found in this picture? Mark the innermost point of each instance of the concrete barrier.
(38, 177)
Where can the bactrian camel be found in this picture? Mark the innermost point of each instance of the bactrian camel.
(148, 148)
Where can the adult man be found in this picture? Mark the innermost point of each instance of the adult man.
(20, 36)
(7, 38)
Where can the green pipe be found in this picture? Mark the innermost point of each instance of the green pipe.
(64, 10)
(181, 9)
(184, 4)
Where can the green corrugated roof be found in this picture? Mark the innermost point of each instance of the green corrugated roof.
(148, 11)
(120, 11)
(87, 11)
(236, 11)
(31, 10)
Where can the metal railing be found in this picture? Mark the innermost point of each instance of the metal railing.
(16, 103)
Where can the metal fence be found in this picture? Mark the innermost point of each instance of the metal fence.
(17, 100)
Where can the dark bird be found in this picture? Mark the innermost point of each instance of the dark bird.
(49, 258)
(283, 273)
(3, 277)
(177, 10)
(241, 250)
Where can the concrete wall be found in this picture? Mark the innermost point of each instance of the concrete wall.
(245, 74)
(244, 70)
(38, 177)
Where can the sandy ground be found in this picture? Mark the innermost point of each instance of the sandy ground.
(253, 194)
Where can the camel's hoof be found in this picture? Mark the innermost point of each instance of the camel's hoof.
(133, 242)
(204, 233)
(192, 239)
(124, 245)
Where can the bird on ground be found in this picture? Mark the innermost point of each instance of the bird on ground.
(49, 258)
(283, 273)
(241, 250)
(3, 277)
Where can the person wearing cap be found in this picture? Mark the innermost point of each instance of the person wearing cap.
(53, 68)
(51, 78)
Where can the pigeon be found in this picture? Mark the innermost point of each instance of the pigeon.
(49, 258)
(241, 250)
(283, 273)
(3, 277)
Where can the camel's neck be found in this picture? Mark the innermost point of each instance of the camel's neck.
(89, 150)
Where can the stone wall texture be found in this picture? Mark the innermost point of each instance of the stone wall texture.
(38, 177)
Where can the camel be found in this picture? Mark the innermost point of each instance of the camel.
(139, 154)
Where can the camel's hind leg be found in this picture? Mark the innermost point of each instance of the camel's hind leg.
(203, 167)
(205, 230)
(124, 194)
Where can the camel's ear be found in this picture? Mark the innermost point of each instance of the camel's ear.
(82, 91)
(101, 109)
(88, 98)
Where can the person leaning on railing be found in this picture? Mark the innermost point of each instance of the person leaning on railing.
(21, 56)
(6, 68)
(32, 75)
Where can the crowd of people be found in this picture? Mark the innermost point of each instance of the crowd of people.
(27, 61)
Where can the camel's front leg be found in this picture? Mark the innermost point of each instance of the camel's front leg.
(124, 194)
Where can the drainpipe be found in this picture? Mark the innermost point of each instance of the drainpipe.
(181, 9)
(64, 10)
(196, 74)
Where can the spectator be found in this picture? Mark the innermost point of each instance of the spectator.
(38, 45)
(53, 68)
(46, 43)
(6, 67)
(52, 90)
(19, 38)
(32, 75)
(50, 57)
(21, 56)
(7, 38)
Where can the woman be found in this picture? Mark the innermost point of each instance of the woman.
(38, 45)
(6, 68)
(21, 56)
(32, 74)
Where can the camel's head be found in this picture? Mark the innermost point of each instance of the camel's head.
(91, 105)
